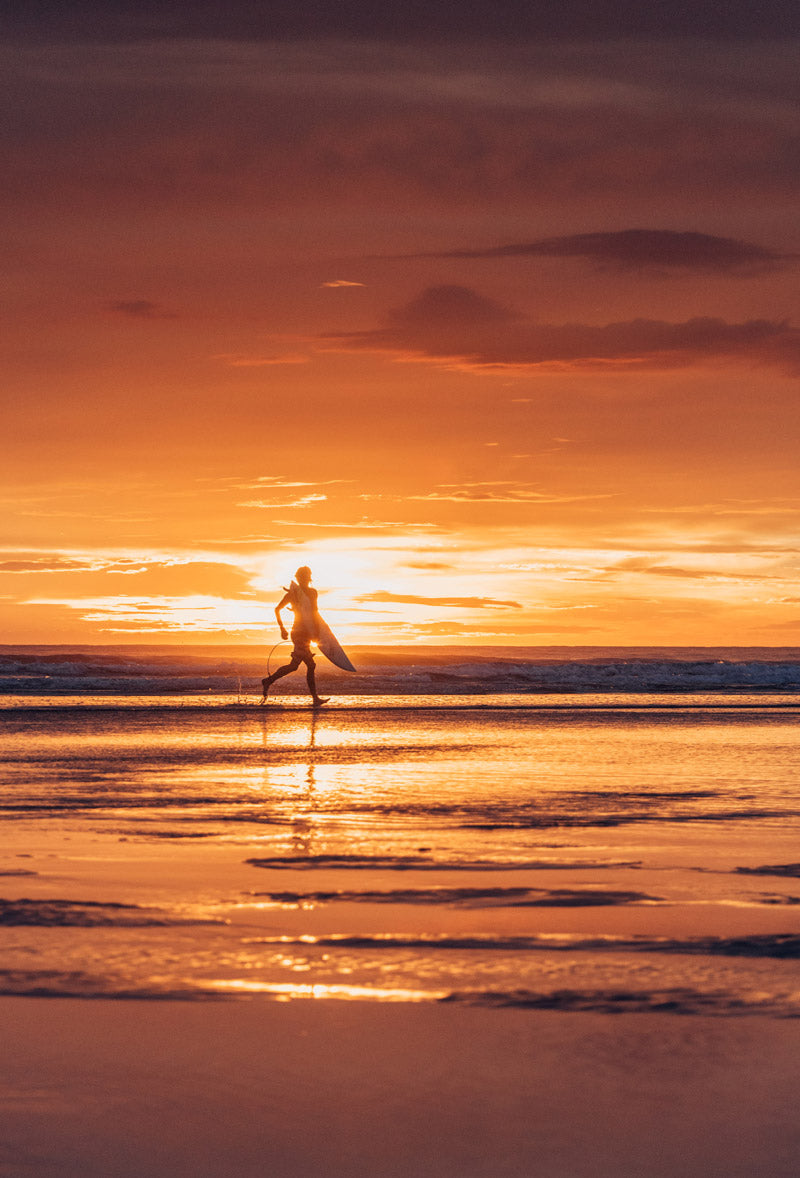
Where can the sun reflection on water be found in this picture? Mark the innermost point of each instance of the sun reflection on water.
(287, 991)
(377, 811)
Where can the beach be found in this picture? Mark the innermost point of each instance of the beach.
(123, 1089)
(494, 932)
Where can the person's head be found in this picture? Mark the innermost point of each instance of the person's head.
(303, 575)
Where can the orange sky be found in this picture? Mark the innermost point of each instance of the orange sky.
(499, 336)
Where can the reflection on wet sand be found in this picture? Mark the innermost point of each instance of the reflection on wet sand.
(541, 854)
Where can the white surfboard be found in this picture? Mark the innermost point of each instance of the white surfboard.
(328, 644)
(325, 638)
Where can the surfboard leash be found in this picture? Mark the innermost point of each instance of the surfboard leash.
(283, 642)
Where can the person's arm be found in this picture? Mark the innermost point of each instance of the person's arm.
(284, 601)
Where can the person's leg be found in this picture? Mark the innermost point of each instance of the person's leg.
(311, 679)
(292, 665)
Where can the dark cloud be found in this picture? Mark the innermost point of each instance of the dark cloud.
(450, 306)
(645, 249)
(139, 309)
(431, 327)
(456, 602)
(96, 20)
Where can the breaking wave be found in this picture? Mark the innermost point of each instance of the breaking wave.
(236, 671)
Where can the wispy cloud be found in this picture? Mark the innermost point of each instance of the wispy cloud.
(193, 613)
(269, 482)
(362, 525)
(733, 507)
(447, 629)
(242, 20)
(652, 567)
(501, 491)
(383, 596)
(457, 124)
(304, 501)
(148, 572)
(70, 564)
(246, 360)
(338, 282)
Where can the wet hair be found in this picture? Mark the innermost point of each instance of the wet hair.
(304, 570)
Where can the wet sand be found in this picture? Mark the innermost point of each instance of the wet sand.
(554, 936)
(112, 1089)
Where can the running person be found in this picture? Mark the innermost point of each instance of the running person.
(302, 600)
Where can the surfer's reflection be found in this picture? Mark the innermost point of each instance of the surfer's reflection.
(289, 792)
(312, 742)
(303, 824)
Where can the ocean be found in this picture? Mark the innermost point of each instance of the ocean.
(572, 829)
(473, 670)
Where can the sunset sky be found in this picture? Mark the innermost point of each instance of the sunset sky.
(491, 317)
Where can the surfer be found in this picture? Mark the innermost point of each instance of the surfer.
(301, 599)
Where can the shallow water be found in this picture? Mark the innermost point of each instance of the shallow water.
(592, 852)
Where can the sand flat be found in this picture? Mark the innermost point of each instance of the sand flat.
(110, 1089)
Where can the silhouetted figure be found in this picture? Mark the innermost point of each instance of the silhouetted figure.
(302, 600)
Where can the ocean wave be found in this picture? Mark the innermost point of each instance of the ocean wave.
(413, 671)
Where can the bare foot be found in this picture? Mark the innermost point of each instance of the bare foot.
(319, 700)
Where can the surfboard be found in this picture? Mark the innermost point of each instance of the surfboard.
(328, 644)
(325, 638)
